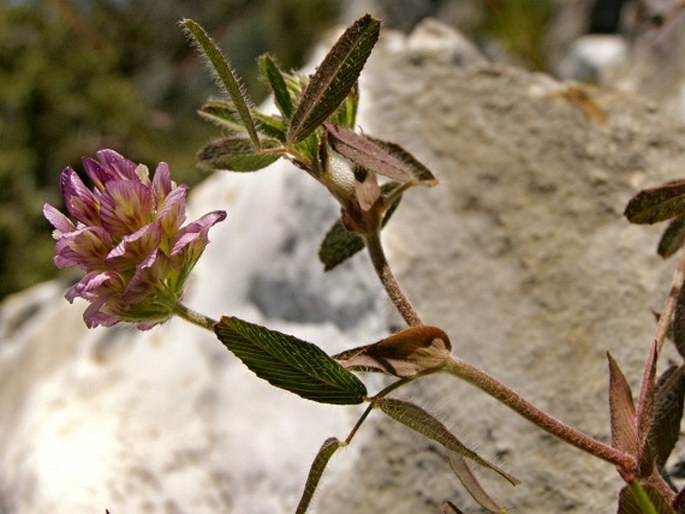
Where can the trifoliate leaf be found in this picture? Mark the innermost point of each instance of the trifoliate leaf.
(334, 78)
(657, 204)
(290, 363)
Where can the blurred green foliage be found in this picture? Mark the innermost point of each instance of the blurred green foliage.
(81, 75)
(520, 26)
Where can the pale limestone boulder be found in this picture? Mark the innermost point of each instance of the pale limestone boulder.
(521, 254)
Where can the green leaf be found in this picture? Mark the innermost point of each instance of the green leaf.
(226, 77)
(236, 154)
(274, 77)
(404, 354)
(668, 411)
(622, 411)
(329, 447)
(290, 363)
(338, 245)
(673, 238)
(334, 78)
(657, 204)
(642, 499)
(461, 468)
(414, 417)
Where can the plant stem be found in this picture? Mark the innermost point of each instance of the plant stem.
(194, 317)
(514, 401)
(380, 264)
(666, 315)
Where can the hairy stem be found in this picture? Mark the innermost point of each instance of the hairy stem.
(380, 264)
(667, 314)
(194, 317)
(514, 401)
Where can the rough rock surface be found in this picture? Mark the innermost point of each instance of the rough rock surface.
(521, 254)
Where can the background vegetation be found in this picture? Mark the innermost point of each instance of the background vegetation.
(80, 75)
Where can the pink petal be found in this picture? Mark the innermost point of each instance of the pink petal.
(96, 286)
(172, 213)
(197, 231)
(148, 276)
(126, 206)
(85, 247)
(118, 166)
(161, 182)
(134, 248)
(58, 220)
(78, 199)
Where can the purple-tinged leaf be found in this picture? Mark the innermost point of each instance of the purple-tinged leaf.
(657, 204)
(668, 411)
(622, 411)
(414, 417)
(645, 410)
(450, 508)
(678, 323)
(673, 238)
(334, 78)
(362, 151)
(629, 503)
(236, 154)
(461, 468)
(329, 447)
(225, 75)
(419, 173)
(290, 363)
(404, 354)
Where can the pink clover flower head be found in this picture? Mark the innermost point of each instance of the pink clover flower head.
(127, 234)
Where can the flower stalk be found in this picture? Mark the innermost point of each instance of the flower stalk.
(474, 376)
(194, 317)
(382, 268)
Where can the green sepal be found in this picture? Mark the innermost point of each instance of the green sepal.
(290, 363)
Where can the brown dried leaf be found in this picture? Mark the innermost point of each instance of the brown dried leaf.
(622, 410)
(403, 354)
